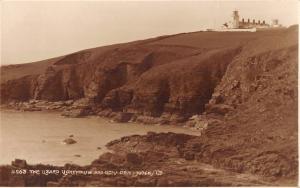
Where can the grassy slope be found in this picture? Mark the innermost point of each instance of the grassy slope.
(260, 136)
(198, 40)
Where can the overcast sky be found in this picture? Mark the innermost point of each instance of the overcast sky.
(37, 30)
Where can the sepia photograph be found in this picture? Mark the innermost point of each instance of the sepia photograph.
(149, 93)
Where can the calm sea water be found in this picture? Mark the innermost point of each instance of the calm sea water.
(37, 137)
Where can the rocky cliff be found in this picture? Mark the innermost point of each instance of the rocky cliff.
(168, 76)
(145, 79)
(239, 89)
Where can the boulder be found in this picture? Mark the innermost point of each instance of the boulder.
(112, 115)
(201, 125)
(221, 109)
(33, 101)
(174, 119)
(69, 141)
(189, 156)
(52, 107)
(105, 113)
(157, 156)
(59, 103)
(123, 117)
(110, 159)
(82, 103)
(69, 102)
(134, 159)
(75, 113)
(42, 104)
(148, 119)
(133, 118)
(32, 109)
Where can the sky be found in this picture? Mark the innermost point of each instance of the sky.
(37, 30)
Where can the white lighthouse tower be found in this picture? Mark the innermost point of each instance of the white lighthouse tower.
(236, 19)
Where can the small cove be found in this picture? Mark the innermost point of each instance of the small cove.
(37, 137)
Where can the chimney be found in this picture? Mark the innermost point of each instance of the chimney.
(258, 22)
(243, 20)
(253, 21)
(264, 22)
(248, 20)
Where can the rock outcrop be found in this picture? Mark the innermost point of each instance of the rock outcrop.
(164, 77)
(238, 89)
(143, 78)
(69, 141)
(155, 159)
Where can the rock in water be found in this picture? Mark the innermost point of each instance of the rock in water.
(76, 113)
(69, 141)
(123, 117)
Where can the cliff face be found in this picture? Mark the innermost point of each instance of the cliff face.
(239, 89)
(171, 75)
(260, 134)
(144, 79)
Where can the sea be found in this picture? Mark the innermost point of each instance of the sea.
(37, 137)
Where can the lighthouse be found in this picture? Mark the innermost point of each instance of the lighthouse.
(236, 18)
(248, 25)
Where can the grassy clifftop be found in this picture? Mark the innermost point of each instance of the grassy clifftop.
(240, 88)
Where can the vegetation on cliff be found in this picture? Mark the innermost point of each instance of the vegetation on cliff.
(239, 89)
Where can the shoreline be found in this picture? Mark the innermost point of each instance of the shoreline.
(165, 152)
(165, 162)
(91, 121)
(132, 157)
(84, 108)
